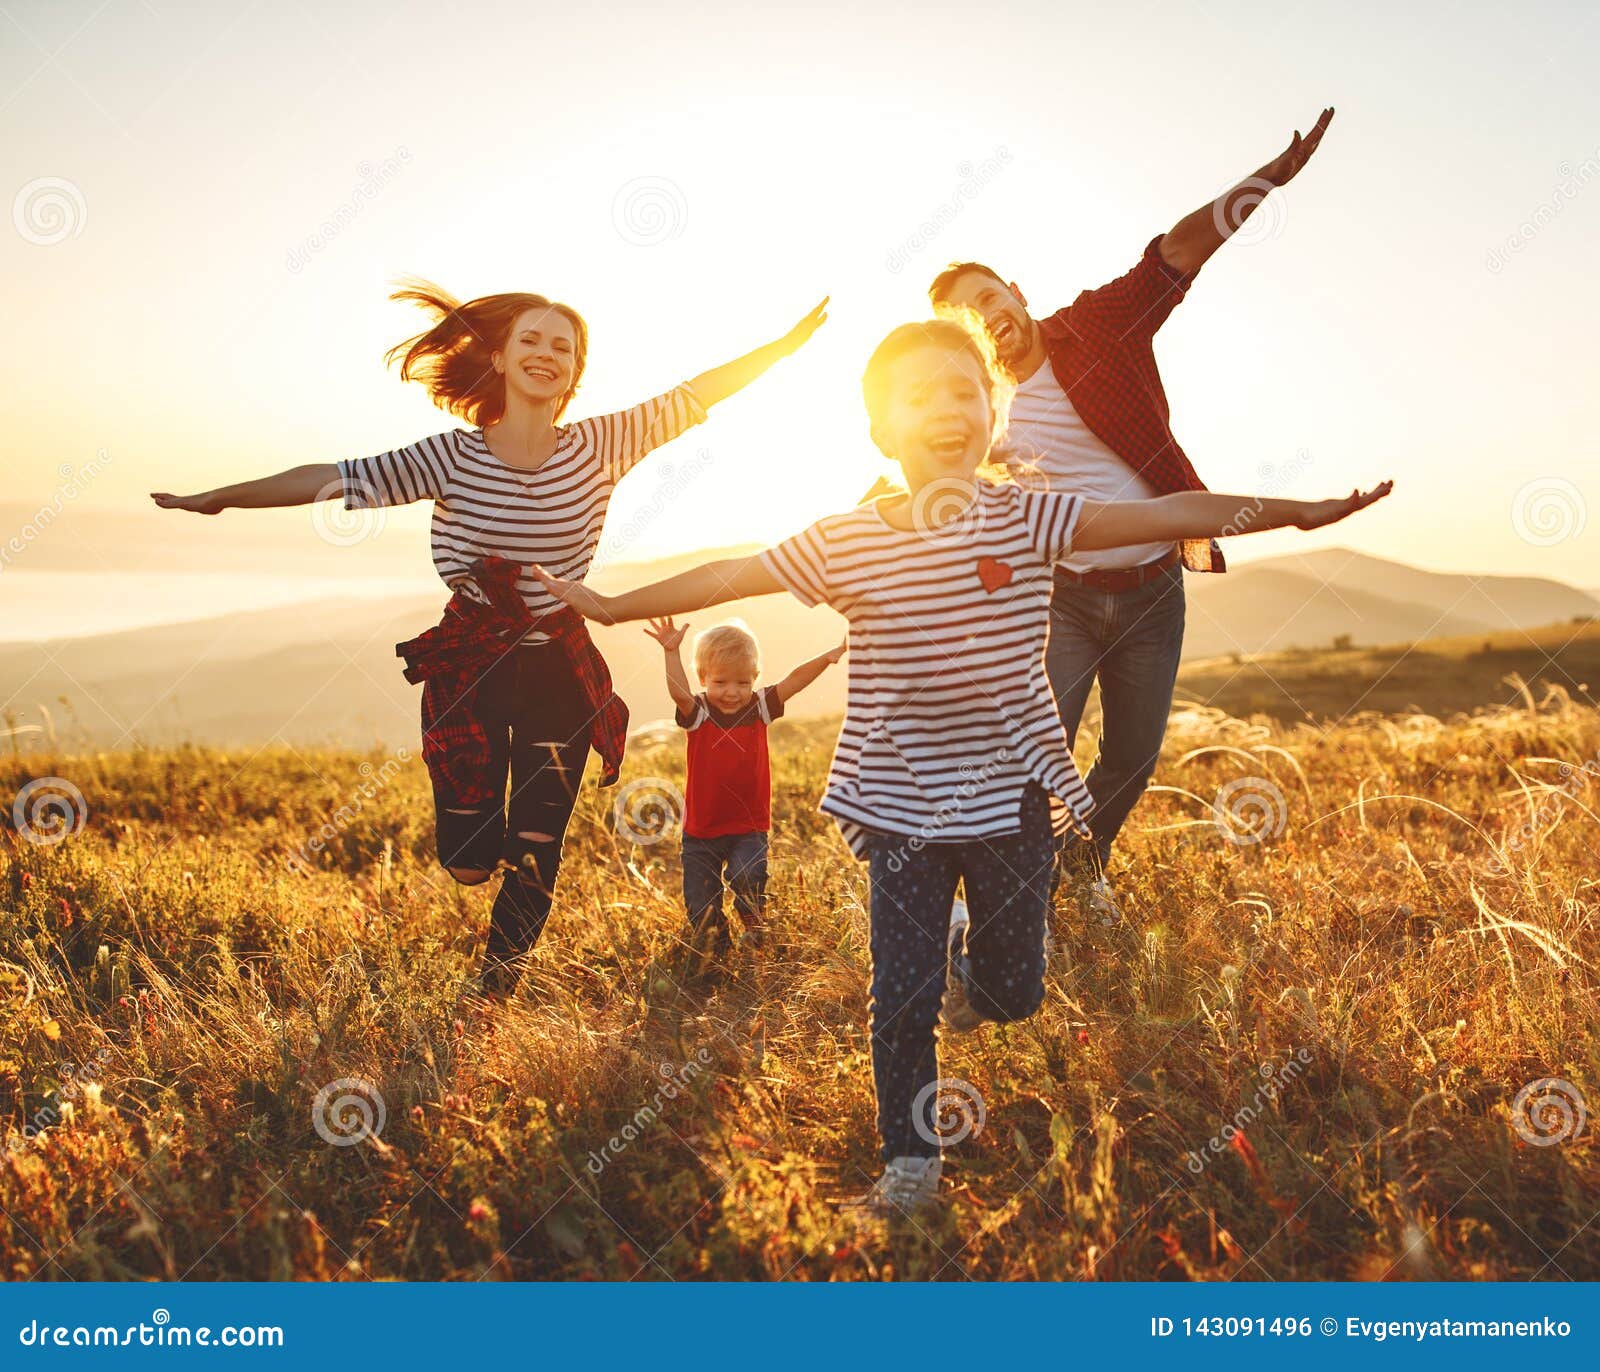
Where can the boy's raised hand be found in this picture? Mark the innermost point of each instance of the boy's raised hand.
(834, 654)
(667, 634)
(1316, 513)
(588, 603)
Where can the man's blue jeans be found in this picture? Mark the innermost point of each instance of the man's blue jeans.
(1131, 641)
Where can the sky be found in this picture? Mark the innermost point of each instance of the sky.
(211, 201)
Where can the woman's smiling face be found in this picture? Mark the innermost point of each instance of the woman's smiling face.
(937, 422)
(539, 356)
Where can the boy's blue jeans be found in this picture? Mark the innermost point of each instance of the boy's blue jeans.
(738, 859)
(1131, 641)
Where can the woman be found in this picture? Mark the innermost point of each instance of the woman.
(512, 682)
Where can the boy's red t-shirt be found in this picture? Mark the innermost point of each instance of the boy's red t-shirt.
(729, 785)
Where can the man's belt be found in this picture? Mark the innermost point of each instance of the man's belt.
(1120, 578)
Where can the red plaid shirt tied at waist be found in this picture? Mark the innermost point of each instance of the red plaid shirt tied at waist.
(1102, 351)
(451, 658)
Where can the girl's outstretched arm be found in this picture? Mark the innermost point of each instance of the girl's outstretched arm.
(711, 583)
(1208, 514)
(297, 486)
(721, 382)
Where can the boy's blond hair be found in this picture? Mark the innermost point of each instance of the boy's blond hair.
(730, 643)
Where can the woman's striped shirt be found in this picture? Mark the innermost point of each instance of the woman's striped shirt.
(949, 714)
(552, 516)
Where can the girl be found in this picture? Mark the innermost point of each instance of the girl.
(952, 766)
(512, 682)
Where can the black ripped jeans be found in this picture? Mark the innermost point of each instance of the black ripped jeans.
(538, 723)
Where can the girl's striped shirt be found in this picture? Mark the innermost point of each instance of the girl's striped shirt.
(949, 714)
(552, 516)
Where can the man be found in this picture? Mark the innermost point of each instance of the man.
(1095, 420)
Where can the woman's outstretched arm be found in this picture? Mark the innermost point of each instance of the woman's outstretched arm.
(1208, 514)
(297, 486)
(711, 583)
(720, 382)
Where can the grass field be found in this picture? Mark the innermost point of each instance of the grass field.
(1354, 948)
(1441, 675)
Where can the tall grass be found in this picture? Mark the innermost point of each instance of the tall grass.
(1300, 1061)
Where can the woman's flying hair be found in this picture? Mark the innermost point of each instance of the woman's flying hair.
(454, 359)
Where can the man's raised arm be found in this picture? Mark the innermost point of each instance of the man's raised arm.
(1188, 245)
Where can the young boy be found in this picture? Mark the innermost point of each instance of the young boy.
(728, 790)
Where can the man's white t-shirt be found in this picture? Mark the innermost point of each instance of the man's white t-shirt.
(1047, 430)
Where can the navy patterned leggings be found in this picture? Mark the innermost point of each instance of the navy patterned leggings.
(1007, 882)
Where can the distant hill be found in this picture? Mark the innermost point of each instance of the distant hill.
(1491, 602)
(326, 672)
(1308, 599)
(1439, 676)
(143, 538)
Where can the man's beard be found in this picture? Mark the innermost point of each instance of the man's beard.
(1018, 340)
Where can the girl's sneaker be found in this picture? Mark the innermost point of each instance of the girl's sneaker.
(956, 1010)
(1102, 902)
(908, 1186)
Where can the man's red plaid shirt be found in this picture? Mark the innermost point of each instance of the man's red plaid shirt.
(1101, 350)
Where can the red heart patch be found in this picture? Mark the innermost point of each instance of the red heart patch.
(993, 573)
